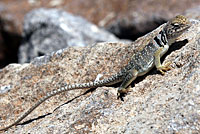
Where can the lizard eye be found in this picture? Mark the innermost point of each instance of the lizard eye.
(175, 24)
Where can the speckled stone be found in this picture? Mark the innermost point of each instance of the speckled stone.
(157, 104)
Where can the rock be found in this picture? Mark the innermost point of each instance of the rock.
(48, 30)
(135, 20)
(140, 18)
(157, 104)
(9, 37)
(193, 13)
(135, 25)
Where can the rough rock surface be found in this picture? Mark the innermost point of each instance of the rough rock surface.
(48, 30)
(139, 18)
(157, 104)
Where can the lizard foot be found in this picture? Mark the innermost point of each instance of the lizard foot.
(165, 67)
(122, 92)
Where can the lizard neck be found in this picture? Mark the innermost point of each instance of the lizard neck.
(171, 41)
(161, 41)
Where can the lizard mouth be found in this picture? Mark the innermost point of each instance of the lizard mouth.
(181, 31)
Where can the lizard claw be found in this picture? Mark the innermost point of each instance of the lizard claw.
(165, 67)
(122, 92)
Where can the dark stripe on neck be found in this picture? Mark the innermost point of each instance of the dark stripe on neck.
(158, 41)
(163, 37)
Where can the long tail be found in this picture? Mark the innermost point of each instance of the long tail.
(99, 83)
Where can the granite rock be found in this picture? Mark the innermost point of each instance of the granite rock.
(48, 30)
(193, 13)
(111, 14)
(157, 104)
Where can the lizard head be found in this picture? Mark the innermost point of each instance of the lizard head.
(175, 27)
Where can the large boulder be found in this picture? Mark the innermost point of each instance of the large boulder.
(48, 30)
(157, 104)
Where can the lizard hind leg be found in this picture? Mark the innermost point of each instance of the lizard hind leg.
(129, 77)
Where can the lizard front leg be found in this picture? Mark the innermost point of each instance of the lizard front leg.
(159, 66)
(130, 76)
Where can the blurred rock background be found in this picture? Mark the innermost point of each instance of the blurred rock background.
(27, 31)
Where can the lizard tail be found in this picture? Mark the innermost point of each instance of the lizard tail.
(63, 89)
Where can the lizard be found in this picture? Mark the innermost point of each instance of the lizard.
(140, 63)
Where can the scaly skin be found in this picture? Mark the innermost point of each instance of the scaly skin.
(141, 63)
